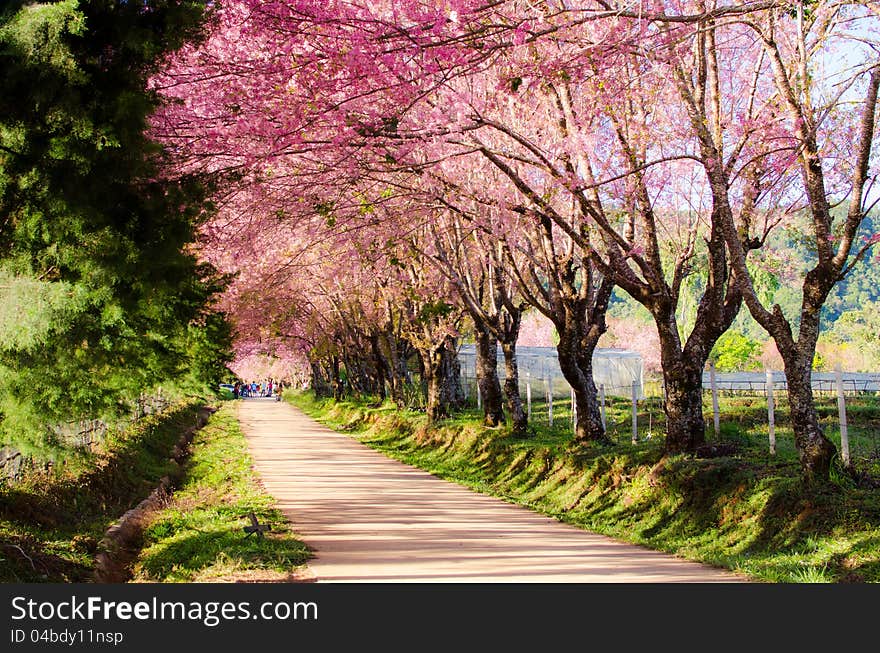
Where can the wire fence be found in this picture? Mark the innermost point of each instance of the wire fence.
(755, 383)
(549, 399)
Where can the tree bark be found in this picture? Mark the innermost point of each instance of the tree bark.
(486, 347)
(381, 366)
(441, 377)
(579, 374)
(518, 417)
(450, 375)
(397, 372)
(335, 379)
(815, 451)
(430, 373)
(589, 413)
(683, 382)
(683, 405)
(320, 386)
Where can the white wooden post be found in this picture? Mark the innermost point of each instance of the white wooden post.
(841, 409)
(479, 398)
(770, 414)
(602, 403)
(574, 409)
(635, 412)
(715, 415)
(549, 389)
(529, 395)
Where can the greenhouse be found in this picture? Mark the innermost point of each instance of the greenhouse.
(615, 369)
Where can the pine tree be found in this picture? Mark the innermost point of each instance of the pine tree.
(100, 295)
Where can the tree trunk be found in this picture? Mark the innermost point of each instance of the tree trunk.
(519, 419)
(441, 376)
(435, 408)
(683, 382)
(315, 377)
(815, 451)
(486, 347)
(588, 425)
(589, 414)
(354, 375)
(683, 405)
(397, 367)
(336, 380)
(450, 375)
(381, 365)
(319, 383)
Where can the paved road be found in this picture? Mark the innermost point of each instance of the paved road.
(373, 519)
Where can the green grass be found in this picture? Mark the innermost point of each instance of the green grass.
(743, 422)
(199, 536)
(748, 512)
(51, 522)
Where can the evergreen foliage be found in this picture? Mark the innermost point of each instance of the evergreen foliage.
(100, 295)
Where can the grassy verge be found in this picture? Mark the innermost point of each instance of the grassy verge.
(199, 536)
(746, 512)
(743, 423)
(51, 523)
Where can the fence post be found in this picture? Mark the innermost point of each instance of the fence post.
(602, 403)
(635, 412)
(479, 398)
(548, 387)
(841, 409)
(574, 409)
(771, 424)
(529, 396)
(715, 416)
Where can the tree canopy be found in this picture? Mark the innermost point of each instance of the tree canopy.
(101, 294)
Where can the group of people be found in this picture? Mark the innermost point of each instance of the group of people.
(270, 388)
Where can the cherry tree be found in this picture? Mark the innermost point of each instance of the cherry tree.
(812, 126)
(572, 142)
(778, 101)
(637, 146)
(474, 263)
